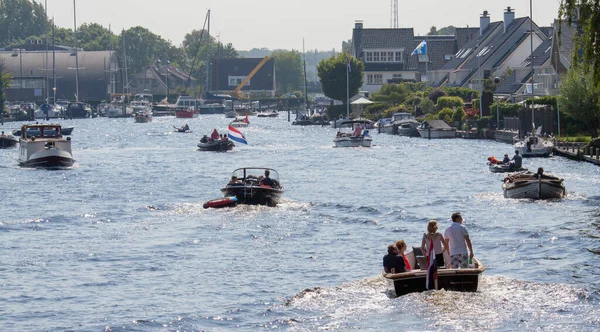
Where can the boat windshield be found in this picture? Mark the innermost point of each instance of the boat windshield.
(255, 172)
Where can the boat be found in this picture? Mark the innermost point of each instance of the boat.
(534, 145)
(352, 138)
(47, 111)
(240, 122)
(249, 190)
(436, 129)
(268, 114)
(118, 110)
(460, 280)
(187, 113)
(504, 168)
(230, 114)
(43, 145)
(184, 129)
(7, 141)
(143, 116)
(218, 145)
(401, 123)
(212, 108)
(533, 186)
(65, 131)
(77, 110)
(142, 103)
(186, 107)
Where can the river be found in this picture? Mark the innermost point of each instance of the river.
(121, 242)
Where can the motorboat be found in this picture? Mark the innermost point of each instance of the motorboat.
(7, 141)
(187, 107)
(219, 145)
(65, 131)
(533, 186)
(184, 129)
(143, 116)
(240, 122)
(118, 110)
(187, 113)
(401, 123)
(248, 188)
(47, 111)
(436, 129)
(460, 280)
(268, 114)
(533, 145)
(212, 108)
(77, 110)
(43, 145)
(142, 103)
(504, 168)
(357, 137)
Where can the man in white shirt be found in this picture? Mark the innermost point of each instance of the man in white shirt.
(458, 240)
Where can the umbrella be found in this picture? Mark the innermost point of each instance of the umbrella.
(361, 101)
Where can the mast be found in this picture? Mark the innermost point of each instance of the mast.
(124, 62)
(207, 55)
(53, 65)
(46, 84)
(532, 69)
(76, 57)
(305, 87)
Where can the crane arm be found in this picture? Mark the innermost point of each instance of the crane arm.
(235, 92)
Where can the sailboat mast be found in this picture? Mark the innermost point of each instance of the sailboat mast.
(46, 84)
(532, 69)
(305, 87)
(76, 57)
(207, 56)
(53, 65)
(126, 83)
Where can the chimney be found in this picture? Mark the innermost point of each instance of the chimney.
(484, 22)
(509, 17)
(358, 25)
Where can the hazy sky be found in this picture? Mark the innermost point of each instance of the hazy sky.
(323, 24)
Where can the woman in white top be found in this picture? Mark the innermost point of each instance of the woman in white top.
(438, 240)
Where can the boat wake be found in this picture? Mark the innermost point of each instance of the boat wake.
(501, 302)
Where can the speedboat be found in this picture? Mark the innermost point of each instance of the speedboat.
(249, 190)
(533, 186)
(533, 145)
(77, 110)
(143, 115)
(7, 141)
(267, 114)
(353, 138)
(504, 168)
(43, 145)
(401, 123)
(240, 122)
(219, 145)
(460, 280)
(231, 114)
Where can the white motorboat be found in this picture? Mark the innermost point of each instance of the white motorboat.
(118, 111)
(358, 137)
(534, 145)
(533, 186)
(436, 129)
(267, 114)
(144, 115)
(240, 122)
(43, 145)
(401, 123)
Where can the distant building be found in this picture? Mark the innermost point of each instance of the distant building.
(100, 74)
(228, 74)
(158, 79)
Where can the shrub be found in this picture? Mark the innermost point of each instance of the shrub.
(446, 115)
(449, 102)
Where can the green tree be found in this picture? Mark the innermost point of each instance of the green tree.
(94, 37)
(20, 19)
(332, 74)
(142, 47)
(427, 106)
(449, 102)
(587, 12)
(446, 115)
(5, 79)
(392, 94)
(288, 71)
(580, 97)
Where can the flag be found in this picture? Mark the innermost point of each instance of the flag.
(431, 277)
(236, 135)
(421, 48)
(348, 61)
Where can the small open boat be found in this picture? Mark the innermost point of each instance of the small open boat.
(533, 186)
(249, 189)
(215, 145)
(503, 168)
(461, 280)
(7, 141)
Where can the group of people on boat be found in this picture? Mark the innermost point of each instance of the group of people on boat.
(514, 163)
(358, 132)
(455, 241)
(215, 136)
(263, 181)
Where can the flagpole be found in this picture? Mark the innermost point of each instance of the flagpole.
(426, 66)
(348, 89)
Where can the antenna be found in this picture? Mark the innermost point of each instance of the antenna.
(394, 14)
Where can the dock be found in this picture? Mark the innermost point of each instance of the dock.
(576, 151)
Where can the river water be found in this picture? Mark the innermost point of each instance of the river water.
(121, 242)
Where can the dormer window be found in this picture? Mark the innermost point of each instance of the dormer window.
(388, 56)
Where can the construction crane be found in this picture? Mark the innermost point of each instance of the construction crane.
(236, 93)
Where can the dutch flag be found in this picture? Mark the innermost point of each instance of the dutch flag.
(236, 135)
(431, 277)
(420, 49)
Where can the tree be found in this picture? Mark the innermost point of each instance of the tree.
(332, 74)
(587, 13)
(288, 71)
(94, 37)
(142, 47)
(5, 79)
(392, 94)
(580, 97)
(20, 19)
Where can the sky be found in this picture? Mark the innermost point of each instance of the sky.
(284, 24)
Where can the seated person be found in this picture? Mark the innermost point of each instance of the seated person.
(506, 160)
(234, 180)
(267, 181)
(493, 160)
(517, 160)
(186, 127)
(392, 263)
(204, 139)
(357, 131)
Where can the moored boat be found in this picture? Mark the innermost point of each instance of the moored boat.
(461, 280)
(187, 113)
(533, 186)
(436, 129)
(43, 145)
(267, 114)
(251, 188)
(401, 123)
(534, 145)
(7, 141)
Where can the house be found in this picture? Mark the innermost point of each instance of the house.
(159, 80)
(99, 74)
(228, 74)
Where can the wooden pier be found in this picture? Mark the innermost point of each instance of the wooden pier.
(576, 151)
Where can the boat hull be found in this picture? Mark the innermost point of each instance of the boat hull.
(49, 158)
(535, 146)
(459, 280)
(535, 189)
(186, 114)
(219, 145)
(497, 168)
(253, 194)
(143, 119)
(352, 142)
(437, 133)
(8, 142)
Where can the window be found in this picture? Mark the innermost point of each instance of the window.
(369, 57)
(398, 57)
(390, 56)
(374, 79)
(376, 57)
(235, 81)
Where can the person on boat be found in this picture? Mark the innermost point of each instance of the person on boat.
(506, 159)
(357, 131)
(458, 241)
(401, 246)
(438, 240)
(267, 181)
(493, 160)
(234, 180)
(215, 134)
(186, 127)
(391, 262)
(2, 134)
(516, 161)
(204, 139)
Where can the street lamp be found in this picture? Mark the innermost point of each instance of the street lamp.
(496, 81)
